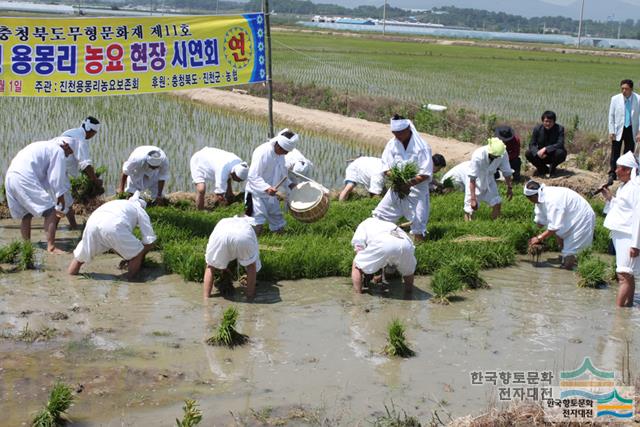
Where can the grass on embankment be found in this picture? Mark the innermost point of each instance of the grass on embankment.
(323, 249)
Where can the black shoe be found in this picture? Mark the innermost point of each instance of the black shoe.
(539, 172)
(552, 171)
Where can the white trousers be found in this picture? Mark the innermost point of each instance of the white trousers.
(624, 263)
(267, 209)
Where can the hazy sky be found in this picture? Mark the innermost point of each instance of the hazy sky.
(594, 9)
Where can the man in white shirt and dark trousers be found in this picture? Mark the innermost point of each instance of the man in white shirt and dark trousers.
(624, 120)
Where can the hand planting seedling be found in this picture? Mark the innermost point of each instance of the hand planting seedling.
(534, 251)
(60, 400)
(396, 341)
(192, 414)
(399, 177)
(226, 334)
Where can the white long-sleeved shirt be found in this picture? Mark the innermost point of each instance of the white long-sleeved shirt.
(136, 166)
(215, 165)
(81, 157)
(622, 209)
(367, 171)
(374, 230)
(128, 213)
(482, 168)
(562, 210)
(395, 154)
(266, 170)
(295, 156)
(43, 163)
(458, 174)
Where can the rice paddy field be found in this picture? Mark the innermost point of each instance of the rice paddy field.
(513, 84)
(179, 127)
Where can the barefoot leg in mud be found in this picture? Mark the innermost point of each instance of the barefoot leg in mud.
(50, 226)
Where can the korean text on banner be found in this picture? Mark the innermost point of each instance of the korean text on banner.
(117, 56)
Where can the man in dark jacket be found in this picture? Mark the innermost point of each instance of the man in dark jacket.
(507, 135)
(546, 149)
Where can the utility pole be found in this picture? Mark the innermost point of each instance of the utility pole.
(384, 18)
(580, 25)
(619, 28)
(267, 24)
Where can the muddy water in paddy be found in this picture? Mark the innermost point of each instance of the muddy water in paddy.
(137, 349)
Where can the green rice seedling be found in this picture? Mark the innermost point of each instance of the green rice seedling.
(192, 415)
(592, 271)
(83, 189)
(395, 418)
(10, 252)
(226, 334)
(444, 283)
(396, 341)
(26, 256)
(398, 177)
(60, 400)
(468, 269)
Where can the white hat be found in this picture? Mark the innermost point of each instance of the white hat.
(154, 158)
(241, 170)
(286, 143)
(628, 160)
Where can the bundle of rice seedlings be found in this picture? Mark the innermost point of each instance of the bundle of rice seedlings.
(396, 418)
(83, 189)
(444, 283)
(192, 414)
(535, 251)
(398, 177)
(396, 341)
(592, 272)
(468, 270)
(60, 399)
(20, 253)
(226, 334)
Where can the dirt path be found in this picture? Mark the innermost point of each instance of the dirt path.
(349, 128)
(365, 132)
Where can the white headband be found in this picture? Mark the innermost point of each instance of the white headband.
(399, 125)
(284, 142)
(87, 125)
(530, 192)
(241, 170)
(154, 158)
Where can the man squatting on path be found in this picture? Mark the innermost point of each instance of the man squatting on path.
(36, 183)
(623, 219)
(110, 227)
(567, 216)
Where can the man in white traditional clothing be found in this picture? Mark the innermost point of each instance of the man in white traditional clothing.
(623, 219)
(266, 173)
(296, 162)
(147, 168)
(378, 244)
(232, 239)
(219, 166)
(567, 216)
(110, 227)
(81, 160)
(407, 146)
(458, 175)
(36, 183)
(367, 171)
(482, 185)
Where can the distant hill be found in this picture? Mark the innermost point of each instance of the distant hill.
(594, 9)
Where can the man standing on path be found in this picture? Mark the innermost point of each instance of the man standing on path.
(624, 120)
(546, 149)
